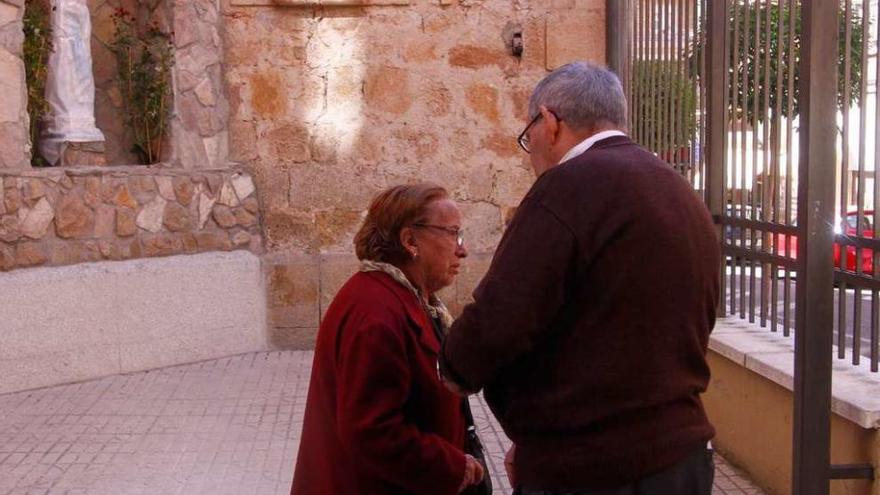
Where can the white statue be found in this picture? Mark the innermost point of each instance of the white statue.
(70, 84)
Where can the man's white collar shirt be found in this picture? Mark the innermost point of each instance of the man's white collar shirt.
(588, 143)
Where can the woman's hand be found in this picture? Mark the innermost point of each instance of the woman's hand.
(473, 472)
(508, 464)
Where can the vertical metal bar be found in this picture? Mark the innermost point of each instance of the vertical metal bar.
(844, 180)
(716, 125)
(652, 70)
(742, 176)
(786, 325)
(701, 21)
(754, 169)
(860, 195)
(776, 130)
(671, 68)
(664, 82)
(679, 103)
(734, 156)
(813, 338)
(766, 279)
(681, 115)
(644, 78)
(637, 122)
(875, 258)
(616, 37)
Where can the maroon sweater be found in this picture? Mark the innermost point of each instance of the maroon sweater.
(589, 331)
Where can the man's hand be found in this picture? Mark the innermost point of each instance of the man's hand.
(473, 472)
(508, 465)
(450, 385)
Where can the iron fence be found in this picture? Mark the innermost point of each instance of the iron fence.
(769, 109)
(667, 85)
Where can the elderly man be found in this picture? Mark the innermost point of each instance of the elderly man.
(589, 331)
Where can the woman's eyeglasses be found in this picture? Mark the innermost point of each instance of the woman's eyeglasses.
(453, 231)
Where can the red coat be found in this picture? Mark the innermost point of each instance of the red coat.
(377, 420)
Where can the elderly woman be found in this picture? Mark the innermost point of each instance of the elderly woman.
(378, 421)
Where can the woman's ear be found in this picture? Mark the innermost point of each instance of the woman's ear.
(408, 241)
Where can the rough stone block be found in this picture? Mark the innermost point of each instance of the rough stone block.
(483, 99)
(10, 228)
(30, 254)
(267, 94)
(387, 89)
(37, 220)
(12, 96)
(242, 141)
(293, 338)
(13, 144)
(224, 216)
(8, 13)
(152, 215)
(215, 240)
(241, 238)
(166, 188)
(73, 219)
(335, 271)
(287, 142)
(294, 288)
(243, 185)
(482, 226)
(177, 218)
(244, 218)
(126, 225)
(206, 205)
(567, 41)
(162, 245)
(72, 252)
(7, 258)
(183, 190)
(476, 56)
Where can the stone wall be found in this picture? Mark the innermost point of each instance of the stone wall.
(74, 215)
(199, 128)
(14, 148)
(329, 105)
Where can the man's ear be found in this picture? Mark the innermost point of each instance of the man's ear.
(551, 124)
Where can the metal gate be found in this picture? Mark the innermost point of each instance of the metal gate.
(747, 98)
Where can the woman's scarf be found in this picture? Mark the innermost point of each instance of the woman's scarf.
(435, 307)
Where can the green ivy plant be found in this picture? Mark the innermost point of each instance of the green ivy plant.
(144, 58)
(37, 47)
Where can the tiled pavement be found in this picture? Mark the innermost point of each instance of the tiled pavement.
(228, 426)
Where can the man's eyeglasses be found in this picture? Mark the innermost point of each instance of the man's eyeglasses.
(523, 139)
(453, 231)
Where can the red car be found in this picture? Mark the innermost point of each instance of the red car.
(850, 227)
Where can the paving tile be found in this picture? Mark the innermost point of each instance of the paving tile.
(229, 425)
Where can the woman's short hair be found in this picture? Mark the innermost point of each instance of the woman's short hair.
(393, 209)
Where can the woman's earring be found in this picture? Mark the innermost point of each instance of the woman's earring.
(414, 253)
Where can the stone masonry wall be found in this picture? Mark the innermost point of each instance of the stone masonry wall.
(73, 215)
(331, 104)
(14, 148)
(199, 128)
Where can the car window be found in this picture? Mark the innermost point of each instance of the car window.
(865, 223)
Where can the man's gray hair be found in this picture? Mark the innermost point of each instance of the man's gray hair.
(581, 94)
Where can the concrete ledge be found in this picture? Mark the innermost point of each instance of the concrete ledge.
(84, 321)
(771, 355)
